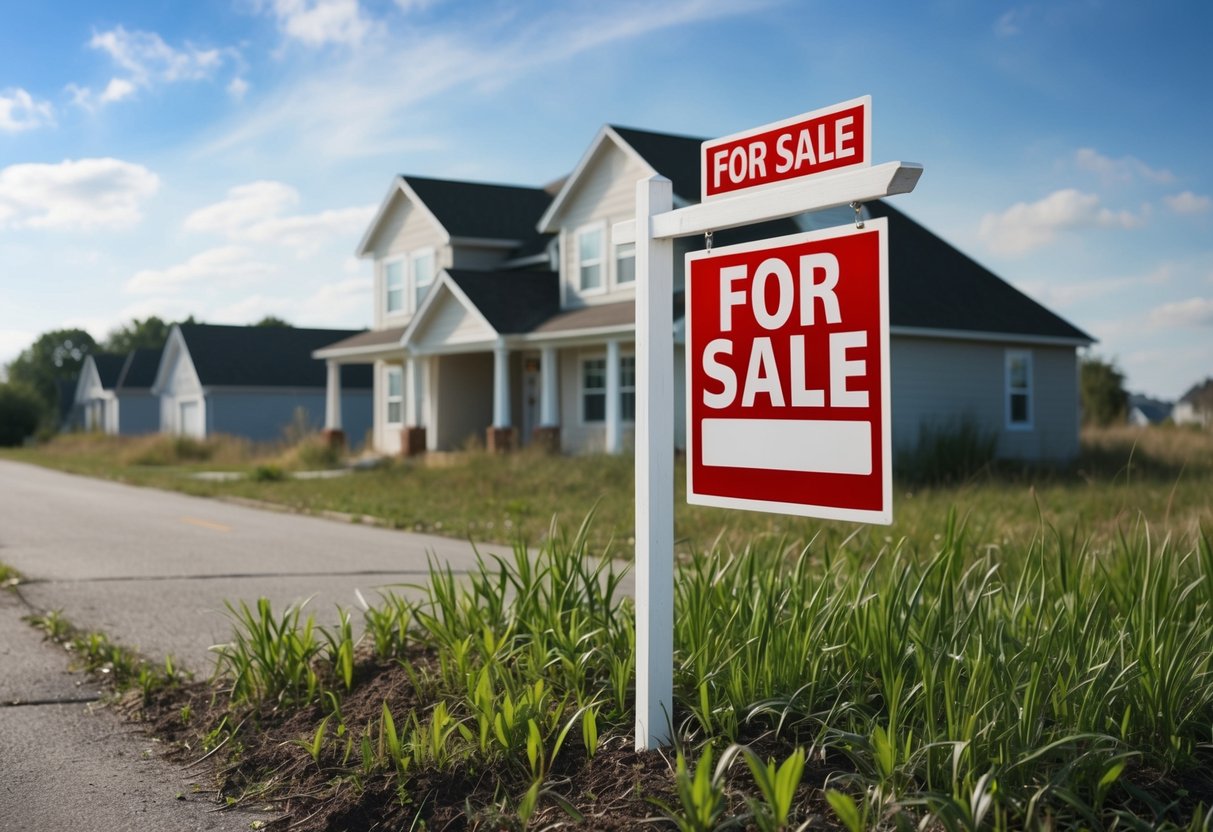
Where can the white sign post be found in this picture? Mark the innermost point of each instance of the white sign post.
(653, 231)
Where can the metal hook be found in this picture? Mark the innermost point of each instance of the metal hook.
(707, 238)
(858, 218)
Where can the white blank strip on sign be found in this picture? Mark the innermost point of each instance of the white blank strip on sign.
(819, 447)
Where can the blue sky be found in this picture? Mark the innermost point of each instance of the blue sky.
(222, 157)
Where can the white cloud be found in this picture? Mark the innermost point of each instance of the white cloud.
(1026, 226)
(320, 22)
(1011, 23)
(20, 111)
(1188, 203)
(1125, 169)
(253, 213)
(1064, 295)
(228, 264)
(1193, 312)
(146, 61)
(237, 88)
(75, 194)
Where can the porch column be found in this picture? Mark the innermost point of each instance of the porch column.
(413, 440)
(332, 397)
(614, 428)
(549, 402)
(501, 434)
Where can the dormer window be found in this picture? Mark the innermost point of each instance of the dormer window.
(590, 258)
(393, 281)
(423, 274)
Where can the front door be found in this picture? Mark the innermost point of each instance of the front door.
(530, 397)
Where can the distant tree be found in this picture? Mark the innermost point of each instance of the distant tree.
(56, 356)
(148, 334)
(1102, 387)
(21, 411)
(272, 320)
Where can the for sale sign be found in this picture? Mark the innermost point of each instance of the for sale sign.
(788, 375)
(823, 141)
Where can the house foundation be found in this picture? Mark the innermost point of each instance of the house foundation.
(546, 439)
(501, 440)
(334, 438)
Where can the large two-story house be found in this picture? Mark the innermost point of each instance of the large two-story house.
(508, 314)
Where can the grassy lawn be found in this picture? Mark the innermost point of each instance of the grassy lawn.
(1163, 476)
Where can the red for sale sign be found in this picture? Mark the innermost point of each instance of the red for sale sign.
(788, 375)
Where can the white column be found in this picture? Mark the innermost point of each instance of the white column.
(501, 386)
(332, 397)
(414, 392)
(549, 401)
(654, 469)
(614, 432)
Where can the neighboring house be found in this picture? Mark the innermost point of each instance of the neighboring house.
(496, 345)
(1144, 411)
(254, 382)
(113, 393)
(1196, 406)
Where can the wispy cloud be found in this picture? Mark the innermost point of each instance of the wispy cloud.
(75, 194)
(1065, 295)
(20, 111)
(321, 22)
(228, 264)
(1122, 170)
(1027, 226)
(1190, 313)
(146, 60)
(255, 213)
(1188, 203)
(1010, 23)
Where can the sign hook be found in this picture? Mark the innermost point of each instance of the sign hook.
(858, 217)
(707, 239)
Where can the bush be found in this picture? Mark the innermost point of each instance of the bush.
(20, 412)
(947, 452)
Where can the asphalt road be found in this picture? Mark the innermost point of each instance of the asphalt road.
(152, 570)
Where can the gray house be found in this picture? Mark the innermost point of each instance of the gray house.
(254, 382)
(113, 393)
(516, 334)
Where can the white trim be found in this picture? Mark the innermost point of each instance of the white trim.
(370, 352)
(403, 260)
(975, 335)
(1029, 391)
(389, 399)
(598, 227)
(443, 279)
(399, 185)
(582, 389)
(616, 283)
(546, 222)
(601, 355)
(413, 257)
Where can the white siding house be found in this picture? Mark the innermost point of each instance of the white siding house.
(113, 393)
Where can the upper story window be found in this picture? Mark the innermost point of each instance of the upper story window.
(1019, 389)
(625, 263)
(423, 274)
(393, 282)
(590, 258)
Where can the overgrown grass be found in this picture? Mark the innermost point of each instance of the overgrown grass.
(1044, 683)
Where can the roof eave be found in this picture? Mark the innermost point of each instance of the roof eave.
(1000, 337)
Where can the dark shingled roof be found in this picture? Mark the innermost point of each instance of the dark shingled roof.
(266, 356)
(674, 157)
(109, 368)
(482, 211)
(513, 302)
(139, 370)
(368, 340)
(933, 285)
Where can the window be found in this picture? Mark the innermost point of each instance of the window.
(594, 389)
(589, 258)
(395, 395)
(423, 274)
(627, 388)
(625, 263)
(393, 281)
(1019, 390)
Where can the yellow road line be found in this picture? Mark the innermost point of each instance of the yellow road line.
(206, 524)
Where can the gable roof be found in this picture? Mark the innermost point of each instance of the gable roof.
(468, 210)
(511, 302)
(264, 356)
(138, 370)
(109, 368)
(933, 285)
(674, 157)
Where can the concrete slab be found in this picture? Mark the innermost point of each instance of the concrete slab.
(34, 670)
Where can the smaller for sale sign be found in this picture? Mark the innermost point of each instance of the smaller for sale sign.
(788, 375)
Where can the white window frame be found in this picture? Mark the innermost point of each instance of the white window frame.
(582, 390)
(600, 229)
(617, 248)
(420, 289)
(389, 399)
(402, 309)
(1027, 390)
